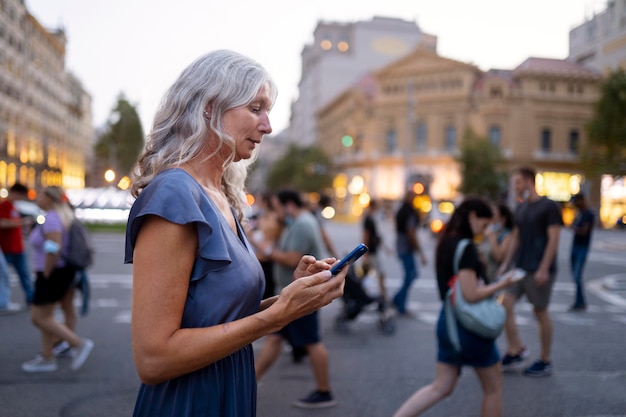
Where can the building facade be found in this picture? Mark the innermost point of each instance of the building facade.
(408, 120)
(601, 44)
(601, 41)
(340, 54)
(46, 133)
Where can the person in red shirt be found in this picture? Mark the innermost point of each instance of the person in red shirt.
(12, 238)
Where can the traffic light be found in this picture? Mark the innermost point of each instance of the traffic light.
(347, 141)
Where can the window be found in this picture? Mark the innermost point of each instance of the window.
(450, 138)
(574, 139)
(391, 140)
(546, 140)
(495, 135)
(421, 136)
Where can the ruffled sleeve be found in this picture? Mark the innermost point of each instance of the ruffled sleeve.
(175, 196)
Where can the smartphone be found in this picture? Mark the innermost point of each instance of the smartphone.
(349, 259)
(515, 274)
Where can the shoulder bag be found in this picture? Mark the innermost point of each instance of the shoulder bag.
(484, 318)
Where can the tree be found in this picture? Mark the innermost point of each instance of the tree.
(305, 169)
(123, 139)
(479, 161)
(605, 150)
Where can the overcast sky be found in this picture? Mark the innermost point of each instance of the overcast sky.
(139, 47)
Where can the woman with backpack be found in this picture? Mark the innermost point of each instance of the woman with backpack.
(54, 278)
(469, 219)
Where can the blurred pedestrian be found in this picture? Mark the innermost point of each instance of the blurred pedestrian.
(407, 246)
(265, 236)
(496, 240)
(535, 244)
(374, 241)
(468, 220)
(301, 236)
(6, 306)
(197, 284)
(582, 227)
(54, 279)
(12, 225)
(317, 208)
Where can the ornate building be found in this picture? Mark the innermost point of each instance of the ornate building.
(339, 55)
(45, 114)
(407, 121)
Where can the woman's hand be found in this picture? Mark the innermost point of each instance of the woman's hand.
(313, 288)
(308, 265)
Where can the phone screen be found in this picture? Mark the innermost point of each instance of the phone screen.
(349, 259)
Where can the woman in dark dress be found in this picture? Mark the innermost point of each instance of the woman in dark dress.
(197, 284)
(469, 219)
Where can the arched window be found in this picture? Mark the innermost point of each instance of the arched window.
(574, 139)
(495, 135)
(546, 140)
(391, 140)
(450, 138)
(421, 136)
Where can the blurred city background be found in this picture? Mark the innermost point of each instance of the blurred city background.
(379, 110)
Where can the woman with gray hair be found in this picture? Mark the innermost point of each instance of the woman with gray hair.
(54, 280)
(197, 284)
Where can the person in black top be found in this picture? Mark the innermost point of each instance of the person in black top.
(373, 240)
(468, 220)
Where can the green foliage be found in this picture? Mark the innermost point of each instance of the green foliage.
(123, 139)
(306, 169)
(479, 161)
(605, 151)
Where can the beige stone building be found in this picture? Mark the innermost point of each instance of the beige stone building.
(45, 114)
(408, 120)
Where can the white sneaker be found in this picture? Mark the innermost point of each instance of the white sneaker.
(10, 308)
(82, 353)
(63, 350)
(40, 364)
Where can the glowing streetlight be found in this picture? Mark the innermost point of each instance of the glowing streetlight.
(109, 175)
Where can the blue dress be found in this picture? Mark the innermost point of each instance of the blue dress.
(226, 284)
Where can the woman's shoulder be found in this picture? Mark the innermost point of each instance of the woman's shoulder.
(174, 195)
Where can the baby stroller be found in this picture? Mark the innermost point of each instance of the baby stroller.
(355, 299)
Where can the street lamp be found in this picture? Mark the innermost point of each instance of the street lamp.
(109, 175)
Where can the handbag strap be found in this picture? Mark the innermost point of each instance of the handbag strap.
(458, 253)
(453, 331)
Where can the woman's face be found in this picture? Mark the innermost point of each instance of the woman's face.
(248, 124)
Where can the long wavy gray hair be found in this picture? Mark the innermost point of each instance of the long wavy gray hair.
(224, 79)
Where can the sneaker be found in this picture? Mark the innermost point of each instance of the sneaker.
(539, 368)
(317, 399)
(40, 364)
(82, 353)
(63, 350)
(10, 308)
(514, 361)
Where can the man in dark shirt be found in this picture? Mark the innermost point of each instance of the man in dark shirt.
(582, 226)
(535, 243)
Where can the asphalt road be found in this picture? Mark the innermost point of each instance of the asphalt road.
(371, 373)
